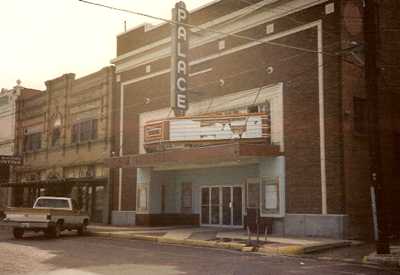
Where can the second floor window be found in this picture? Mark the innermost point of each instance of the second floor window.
(55, 136)
(32, 142)
(84, 131)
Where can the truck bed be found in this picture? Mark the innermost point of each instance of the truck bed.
(52, 211)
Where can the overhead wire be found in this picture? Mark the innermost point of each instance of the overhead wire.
(207, 29)
(288, 46)
(191, 90)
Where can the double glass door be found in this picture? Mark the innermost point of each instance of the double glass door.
(221, 205)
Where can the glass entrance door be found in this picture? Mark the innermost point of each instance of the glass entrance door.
(237, 213)
(221, 206)
(226, 205)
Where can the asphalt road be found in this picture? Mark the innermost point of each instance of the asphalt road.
(74, 255)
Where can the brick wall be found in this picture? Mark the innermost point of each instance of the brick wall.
(388, 59)
(246, 69)
(71, 100)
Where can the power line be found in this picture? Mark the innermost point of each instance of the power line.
(291, 18)
(76, 161)
(191, 90)
(209, 29)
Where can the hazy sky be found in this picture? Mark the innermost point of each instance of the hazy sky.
(43, 39)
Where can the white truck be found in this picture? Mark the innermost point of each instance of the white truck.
(51, 215)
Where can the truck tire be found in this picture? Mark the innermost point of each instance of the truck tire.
(18, 233)
(53, 231)
(83, 228)
(47, 233)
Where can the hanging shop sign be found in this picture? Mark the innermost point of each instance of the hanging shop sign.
(10, 160)
(179, 59)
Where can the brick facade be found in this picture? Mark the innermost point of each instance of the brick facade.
(73, 119)
(242, 65)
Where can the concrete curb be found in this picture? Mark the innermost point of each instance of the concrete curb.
(124, 235)
(389, 261)
(201, 243)
(282, 250)
(268, 249)
(162, 240)
(301, 249)
(319, 247)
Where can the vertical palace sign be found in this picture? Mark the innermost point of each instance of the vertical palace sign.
(179, 59)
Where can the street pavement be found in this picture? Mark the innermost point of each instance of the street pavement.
(76, 255)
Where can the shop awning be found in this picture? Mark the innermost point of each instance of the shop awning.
(68, 181)
(215, 154)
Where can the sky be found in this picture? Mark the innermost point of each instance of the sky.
(44, 39)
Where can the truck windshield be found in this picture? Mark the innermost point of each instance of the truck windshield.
(52, 203)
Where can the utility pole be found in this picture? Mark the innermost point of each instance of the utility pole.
(371, 32)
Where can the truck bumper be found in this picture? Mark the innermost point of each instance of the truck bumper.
(25, 225)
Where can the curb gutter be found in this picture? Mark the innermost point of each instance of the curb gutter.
(269, 250)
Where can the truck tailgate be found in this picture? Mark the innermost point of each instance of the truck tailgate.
(26, 214)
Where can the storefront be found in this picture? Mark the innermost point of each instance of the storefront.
(166, 165)
(90, 193)
(210, 186)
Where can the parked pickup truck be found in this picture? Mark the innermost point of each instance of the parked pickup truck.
(51, 215)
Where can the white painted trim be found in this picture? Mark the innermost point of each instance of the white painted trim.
(120, 190)
(121, 143)
(255, 43)
(269, 15)
(154, 26)
(233, 15)
(205, 25)
(317, 24)
(321, 102)
(144, 77)
(230, 51)
(201, 72)
(141, 49)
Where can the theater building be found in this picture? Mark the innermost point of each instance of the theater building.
(266, 125)
(63, 134)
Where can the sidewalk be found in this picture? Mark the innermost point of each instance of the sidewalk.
(388, 260)
(236, 239)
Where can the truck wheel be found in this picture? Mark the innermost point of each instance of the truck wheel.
(57, 231)
(18, 233)
(82, 229)
(54, 231)
(47, 233)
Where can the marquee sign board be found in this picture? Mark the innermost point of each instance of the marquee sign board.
(179, 59)
(10, 160)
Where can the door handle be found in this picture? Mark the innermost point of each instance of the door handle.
(230, 204)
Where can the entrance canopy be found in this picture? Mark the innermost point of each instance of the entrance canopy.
(197, 156)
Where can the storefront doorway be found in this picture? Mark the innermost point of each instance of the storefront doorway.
(222, 206)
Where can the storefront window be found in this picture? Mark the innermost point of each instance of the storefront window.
(142, 198)
(33, 142)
